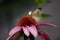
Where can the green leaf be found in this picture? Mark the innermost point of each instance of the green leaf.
(45, 16)
(42, 2)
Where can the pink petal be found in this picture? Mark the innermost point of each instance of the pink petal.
(14, 30)
(9, 37)
(44, 36)
(26, 31)
(13, 37)
(33, 30)
(47, 24)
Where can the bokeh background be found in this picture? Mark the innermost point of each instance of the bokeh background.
(11, 11)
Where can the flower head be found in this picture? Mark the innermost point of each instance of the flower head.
(28, 26)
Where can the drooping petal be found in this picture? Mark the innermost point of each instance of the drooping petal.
(13, 37)
(14, 30)
(48, 24)
(9, 37)
(44, 36)
(26, 31)
(33, 30)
